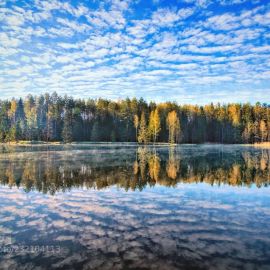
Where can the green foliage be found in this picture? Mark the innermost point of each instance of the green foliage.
(95, 135)
(55, 118)
(67, 127)
(4, 122)
(15, 132)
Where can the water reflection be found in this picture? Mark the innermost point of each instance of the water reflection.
(182, 228)
(91, 223)
(51, 171)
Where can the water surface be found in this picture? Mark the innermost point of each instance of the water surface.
(113, 206)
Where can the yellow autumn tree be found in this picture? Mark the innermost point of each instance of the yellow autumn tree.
(136, 124)
(173, 124)
(12, 111)
(143, 130)
(154, 124)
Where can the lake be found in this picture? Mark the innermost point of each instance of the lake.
(120, 206)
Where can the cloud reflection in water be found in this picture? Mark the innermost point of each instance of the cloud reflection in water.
(192, 225)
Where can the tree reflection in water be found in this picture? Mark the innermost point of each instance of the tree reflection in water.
(134, 168)
(186, 227)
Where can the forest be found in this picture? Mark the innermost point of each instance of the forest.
(52, 118)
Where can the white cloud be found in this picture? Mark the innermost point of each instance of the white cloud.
(225, 21)
(232, 2)
(113, 47)
(60, 32)
(9, 42)
(200, 3)
(212, 49)
(166, 17)
(78, 27)
(14, 20)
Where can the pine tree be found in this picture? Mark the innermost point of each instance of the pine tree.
(31, 117)
(4, 122)
(67, 128)
(95, 135)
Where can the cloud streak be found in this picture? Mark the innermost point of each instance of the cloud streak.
(118, 48)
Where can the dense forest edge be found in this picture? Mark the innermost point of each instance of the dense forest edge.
(53, 118)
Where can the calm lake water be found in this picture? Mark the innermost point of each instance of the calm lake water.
(127, 207)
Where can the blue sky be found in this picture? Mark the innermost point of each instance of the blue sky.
(189, 51)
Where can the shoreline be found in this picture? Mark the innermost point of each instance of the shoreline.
(42, 143)
(261, 145)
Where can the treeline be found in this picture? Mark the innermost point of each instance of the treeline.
(55, 118)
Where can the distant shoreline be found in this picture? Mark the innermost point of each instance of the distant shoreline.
(43, 143)
(37, 143)
(261, 145)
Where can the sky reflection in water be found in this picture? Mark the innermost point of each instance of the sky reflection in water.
(87, 208)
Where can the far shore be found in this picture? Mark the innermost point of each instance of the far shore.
(261, 145)
(39, 143)
(33, 143)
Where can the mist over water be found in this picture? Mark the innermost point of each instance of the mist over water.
(103, 206)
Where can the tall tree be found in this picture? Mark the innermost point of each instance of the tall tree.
(143, 131)
(12, 111)
(263, 130)
(4, 121)
(31, 117)
(68, 121)
(173, 125)
(15, 132)
(136, 124)
(95, 134)
(67, 128)
(154, 124)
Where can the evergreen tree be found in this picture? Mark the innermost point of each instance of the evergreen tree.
(4, 122)
(31, 117)
(67, 128)
(95, 136)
